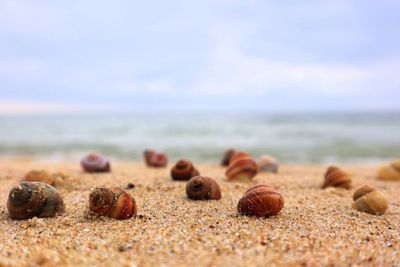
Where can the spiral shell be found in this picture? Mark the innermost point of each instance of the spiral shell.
(226, 158)
(115, 203)
(261, 201)
(39, 176)
(30, 199)
(203, 188)
(155, 159)
(94, 162)
(390, 172)
(335, 177)
(268, 164)
(368, 199)
(241, 167)
(183, 170)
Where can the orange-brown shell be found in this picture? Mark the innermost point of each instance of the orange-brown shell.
(115, 203)
(241, 167)
(260, 201)
(335, 177)
(39, 176)
(183, 170)
(34, 199)
(203, 188)
(94, 162)
(226, 158)
(154, 159)
(390, 172)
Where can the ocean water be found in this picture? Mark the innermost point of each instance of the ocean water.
(292, 138)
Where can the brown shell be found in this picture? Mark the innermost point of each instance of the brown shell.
(260, 201)
(335, 177)
(241, 167)
(183, 170)
(115, 203)
(39, 176)
(154, 159)
(34, 199)
(368, 199)
(268, 164)
(203, 188)
(390, 172)
(94, 162)
(226, 158)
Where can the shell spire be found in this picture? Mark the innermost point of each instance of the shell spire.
(203, 188)
(183, 170)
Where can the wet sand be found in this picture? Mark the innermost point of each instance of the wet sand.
(315, 227)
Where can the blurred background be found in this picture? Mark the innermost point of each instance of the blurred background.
(310, 82)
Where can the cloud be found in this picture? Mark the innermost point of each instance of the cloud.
(231, 72)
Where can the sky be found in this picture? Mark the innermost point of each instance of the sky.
(79, 56)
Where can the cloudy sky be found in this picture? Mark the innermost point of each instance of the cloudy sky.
(199, 55)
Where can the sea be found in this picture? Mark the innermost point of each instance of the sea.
(297, 138)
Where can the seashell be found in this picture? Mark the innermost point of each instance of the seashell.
(368, 199)
(115, 203)
(390, 172)
(155, 159)
(241, 167)
(268, 164)
(261, 201)
(226, 158)
(183, 170)
(30, 199)
(94, 162)
(337, 178)
(203, 188)
(39, 176)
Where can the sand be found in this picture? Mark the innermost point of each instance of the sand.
(316, 227)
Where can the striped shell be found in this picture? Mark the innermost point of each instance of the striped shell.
(203, 188)
(115, 203)
(94, 162)
(154, 159)
(260, 201)
(390, 172)
(241, 167)
(34, 199)
(368, 199)
(335, 177)
(268, 164)
(226, 158)
(183, 170)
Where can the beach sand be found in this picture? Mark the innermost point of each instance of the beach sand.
(316, 227)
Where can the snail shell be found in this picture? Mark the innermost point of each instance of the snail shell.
(203, 188)
(94, 162)
(335, 177)
(261, 201)
(183, 170)
(368, 199)
(115, 203)
(226, 158)
(154, 159)
(390, 172)
(30, 199)
(268, 164)
(39, 176)
(241, 167)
